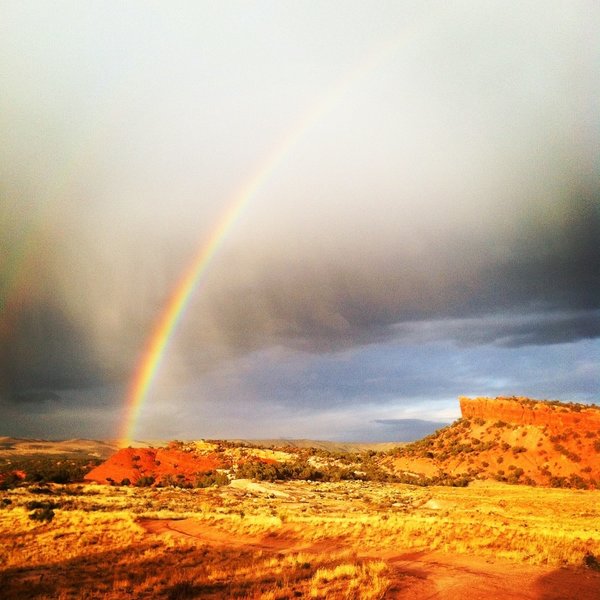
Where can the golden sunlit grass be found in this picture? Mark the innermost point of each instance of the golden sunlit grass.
(284, 540)
(349, 580)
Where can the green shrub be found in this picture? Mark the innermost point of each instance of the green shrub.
(591, 562)
(9, 481)
(42, 514)
(33, 504)
(209, 479)
(145, 481)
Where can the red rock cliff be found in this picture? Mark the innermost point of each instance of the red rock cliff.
(523, 411)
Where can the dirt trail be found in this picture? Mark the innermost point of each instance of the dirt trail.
(284, 542)
(191, 528)
(417, 575)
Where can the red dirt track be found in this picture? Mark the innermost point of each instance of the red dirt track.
(418, 575)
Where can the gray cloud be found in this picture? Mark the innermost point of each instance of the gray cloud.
(449, 195)
(45, 350)
(39, 396)
(317, 303)
(505, 330)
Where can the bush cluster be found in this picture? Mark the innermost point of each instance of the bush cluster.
(42, 511)
(254, 469)
(46, 469)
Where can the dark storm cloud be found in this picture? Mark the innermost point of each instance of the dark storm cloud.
(544, 289)
(44, 350)
(505, 330)
(86, 325)
(38, 396)
(451, 194)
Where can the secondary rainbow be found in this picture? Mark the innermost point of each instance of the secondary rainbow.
(166, 325)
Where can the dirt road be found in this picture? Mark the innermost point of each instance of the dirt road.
(417, 575)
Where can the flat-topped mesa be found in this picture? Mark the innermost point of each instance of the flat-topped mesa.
(524, 411)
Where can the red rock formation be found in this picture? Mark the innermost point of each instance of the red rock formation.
(523, 411)
(159, 463)
(512, 439)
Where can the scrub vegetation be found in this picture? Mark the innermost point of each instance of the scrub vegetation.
(217, 519)
(275, 540)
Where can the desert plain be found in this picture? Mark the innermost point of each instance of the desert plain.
(90, 520)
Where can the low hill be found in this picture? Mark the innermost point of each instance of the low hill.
(38, 461)
(509, 439)
(14, 447)
(180, 463)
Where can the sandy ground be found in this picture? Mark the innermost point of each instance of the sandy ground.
(419, 575)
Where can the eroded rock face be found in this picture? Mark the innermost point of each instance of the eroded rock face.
(158, 463)
(514, 440)
(194, 463)
(523, 411)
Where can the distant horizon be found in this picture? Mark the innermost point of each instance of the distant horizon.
(425, 428)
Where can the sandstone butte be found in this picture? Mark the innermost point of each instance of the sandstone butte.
(523, 411)
(514, 439)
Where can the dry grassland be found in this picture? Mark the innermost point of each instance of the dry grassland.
(277, 540)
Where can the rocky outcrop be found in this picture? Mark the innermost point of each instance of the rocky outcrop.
(514, 440)
(523, 411)
(154, 464)
(187, 464)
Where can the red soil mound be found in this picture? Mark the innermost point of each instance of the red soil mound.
(161, 464)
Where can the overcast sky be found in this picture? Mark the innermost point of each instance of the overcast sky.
(432, 232)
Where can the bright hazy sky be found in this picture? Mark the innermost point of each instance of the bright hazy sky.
(432, 231)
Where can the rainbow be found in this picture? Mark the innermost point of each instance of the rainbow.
(165, 327)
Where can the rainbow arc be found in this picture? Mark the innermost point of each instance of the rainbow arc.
(166, 324)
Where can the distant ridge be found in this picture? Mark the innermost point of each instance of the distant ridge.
(104, 449)
(508, 439)
(10, 446)
(320, 444)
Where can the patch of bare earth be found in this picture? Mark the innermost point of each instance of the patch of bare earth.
(414, 575)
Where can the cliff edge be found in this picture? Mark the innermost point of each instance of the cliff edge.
(524, 411)
(516, 439)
